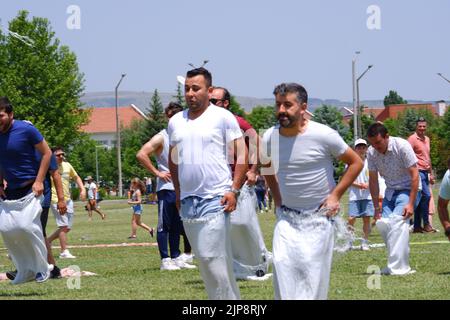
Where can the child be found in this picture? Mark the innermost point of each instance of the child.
(360, 200)
(137, 190)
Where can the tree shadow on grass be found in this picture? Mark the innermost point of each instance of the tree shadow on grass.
(444, 273)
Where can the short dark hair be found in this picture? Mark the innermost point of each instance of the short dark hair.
(57, 148)
(200, 72)
(5, 105)
(299, 90)
(226, 93)
(375, 129)
(421, 119)
(173, 107)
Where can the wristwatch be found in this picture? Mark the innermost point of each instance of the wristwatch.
(236, 192)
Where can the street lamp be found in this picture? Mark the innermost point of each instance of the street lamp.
(355, 108)
(357, 99)
(440, 75)
(96, 163)
(119, 160)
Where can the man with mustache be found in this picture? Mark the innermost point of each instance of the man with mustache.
(297, 162)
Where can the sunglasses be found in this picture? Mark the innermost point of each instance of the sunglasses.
(214, 101)
(60, 155)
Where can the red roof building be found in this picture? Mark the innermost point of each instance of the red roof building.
(102, 122)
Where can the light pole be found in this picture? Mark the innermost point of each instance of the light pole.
(440, 75)
(96, 163)
(119, 157)
(357, 99)
(355, 108)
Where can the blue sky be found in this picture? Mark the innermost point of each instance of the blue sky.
(253, 45)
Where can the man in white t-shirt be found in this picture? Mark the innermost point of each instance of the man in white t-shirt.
(359, 200)
(297, 162)
(199, 141)
(92, 199)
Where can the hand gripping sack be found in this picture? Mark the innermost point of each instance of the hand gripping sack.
(21, 230)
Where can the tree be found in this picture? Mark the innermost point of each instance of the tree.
(180, 96)
(82, 157)
(366, 121)
(262, 117)
(156, 117)
(42, 80)
(236, 108)
(330, 116)
(407, 121)
(132, 139)
(392, 126)
(393, 98)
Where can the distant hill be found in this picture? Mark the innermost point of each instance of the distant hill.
(142, 100)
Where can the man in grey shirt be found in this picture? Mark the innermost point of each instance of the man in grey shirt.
(298, 165)
(396, 162)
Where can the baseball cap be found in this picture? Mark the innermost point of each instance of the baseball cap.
(360, 141)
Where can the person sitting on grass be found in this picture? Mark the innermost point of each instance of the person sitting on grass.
(137, 190)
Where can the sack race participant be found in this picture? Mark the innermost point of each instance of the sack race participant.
(21, 231)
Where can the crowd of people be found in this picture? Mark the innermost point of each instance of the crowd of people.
(214, 173)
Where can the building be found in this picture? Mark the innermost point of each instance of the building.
(394, 110)
(102, 123)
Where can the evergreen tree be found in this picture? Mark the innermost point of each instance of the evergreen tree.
(156, 118)
(179, 97)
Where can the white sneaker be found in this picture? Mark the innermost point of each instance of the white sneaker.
(183, 265)
(187, 257)
(365, 246)
(66, 255)
(168, 264)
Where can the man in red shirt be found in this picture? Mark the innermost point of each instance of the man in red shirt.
(253, 254)
(421, 146)
(221, 97)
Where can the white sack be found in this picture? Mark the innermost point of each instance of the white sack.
(250, 256)
(210, 241)
(21, 230)
(302, 255)
(395, 233)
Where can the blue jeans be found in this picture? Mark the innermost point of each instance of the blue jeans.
(261, 195)
(423, 209)
(169, 225)
(399, 200)
(194, 207)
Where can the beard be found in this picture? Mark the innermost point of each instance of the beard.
(286, 121)
(4, 127)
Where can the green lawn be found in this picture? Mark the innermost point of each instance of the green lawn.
(133, 272)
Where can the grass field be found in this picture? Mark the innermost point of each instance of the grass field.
(133, 272)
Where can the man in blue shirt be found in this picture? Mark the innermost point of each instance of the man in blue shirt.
(21, 168)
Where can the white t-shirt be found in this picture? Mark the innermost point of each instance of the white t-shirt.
(355, 193)
(304, 164)
(163, 163)
(203, 168)
(91, 188)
